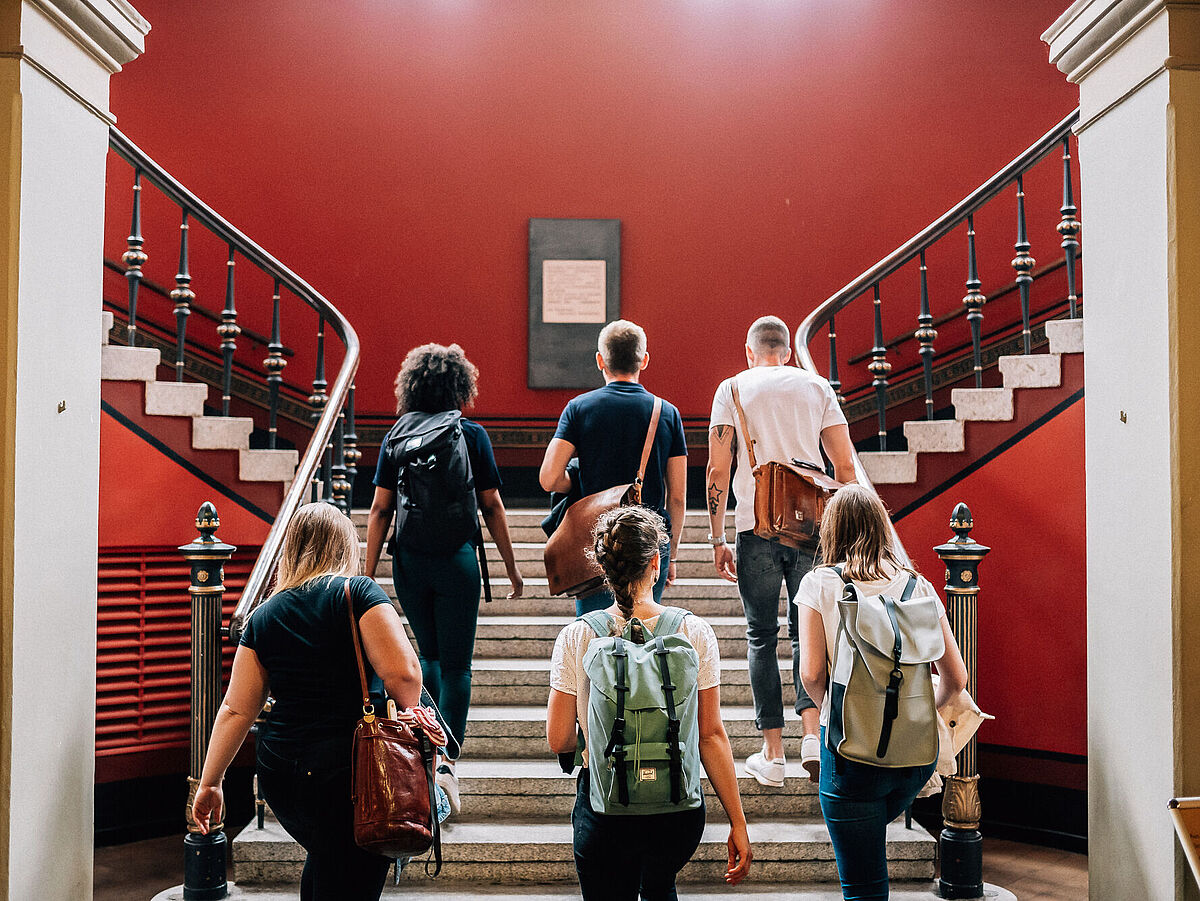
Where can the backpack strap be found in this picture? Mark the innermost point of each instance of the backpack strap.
(673, 751)
(599, 622)
(891, 701)
(670, 620)
(616, 742)
(737, 404)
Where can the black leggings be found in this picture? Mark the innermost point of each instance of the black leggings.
(618, 856)
(310, 796)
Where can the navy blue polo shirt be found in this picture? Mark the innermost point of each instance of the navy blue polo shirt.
(608, 429)
(479, 452)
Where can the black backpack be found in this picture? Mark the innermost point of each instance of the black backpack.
(436, 509)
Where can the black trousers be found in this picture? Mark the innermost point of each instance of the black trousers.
(310, 795)
(618, 856)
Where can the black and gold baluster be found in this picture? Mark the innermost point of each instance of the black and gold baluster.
(317, 401)
(834, 382)
(340, 488)
(1069, 227)
(926, 334)
(974, 302)
(350, 439)
(1023, 264)
(183, 295)
(274, 364)
(134, 257)
(879, 367)
(228, 330)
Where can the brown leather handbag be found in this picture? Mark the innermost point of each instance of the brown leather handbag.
(391, 778)
(569, 568)
(789, 500)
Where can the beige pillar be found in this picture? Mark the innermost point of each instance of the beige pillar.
(1137, 64)
(56, 58)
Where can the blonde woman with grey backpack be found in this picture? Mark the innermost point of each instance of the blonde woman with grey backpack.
(871, 631)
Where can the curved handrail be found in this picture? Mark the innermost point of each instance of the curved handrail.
(323, 431)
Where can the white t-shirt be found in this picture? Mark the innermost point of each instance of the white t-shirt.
(566, 664)
(787, 408)
(821, 589)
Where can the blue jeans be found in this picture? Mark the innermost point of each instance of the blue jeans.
(618, 856)
(858, 801)
(763, 567)
(605, 598)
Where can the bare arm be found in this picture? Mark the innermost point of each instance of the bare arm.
(952, 671)
(722, 440)
(391, 654)
(553, 474)
(814, 668)
(717, 757)
(383, 505)
(243, 701)
(492, 508)
(676, 490)
(840, 450)
(560, 722)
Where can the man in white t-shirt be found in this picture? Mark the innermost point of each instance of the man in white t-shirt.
(791, 414)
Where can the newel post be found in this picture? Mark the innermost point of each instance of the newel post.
(204, 855)
(961, 844)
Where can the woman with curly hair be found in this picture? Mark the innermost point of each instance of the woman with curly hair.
(439, 589)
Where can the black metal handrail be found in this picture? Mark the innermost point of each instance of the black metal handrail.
(332, 448)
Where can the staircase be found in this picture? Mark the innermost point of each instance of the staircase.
(515, 826)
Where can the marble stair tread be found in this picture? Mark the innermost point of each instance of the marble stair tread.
(222, 432)
(1031, 371)
(545, 772)
(262, 465)
(935, 435)
(1066, 336)
(523, 516)
(540, 589)
(128, 364)
(890, 467)
(176, 399)
(987, 404)
(106, 324)
(518, 717)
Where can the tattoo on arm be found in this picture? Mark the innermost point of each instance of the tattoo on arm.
(714, 498)
(721, 431)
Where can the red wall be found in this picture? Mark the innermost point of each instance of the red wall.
(759, 154)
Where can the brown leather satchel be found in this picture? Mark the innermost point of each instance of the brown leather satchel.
(391, 775)
(569, 568)
(789, 500)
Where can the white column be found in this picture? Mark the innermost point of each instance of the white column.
(56, 58)
(1137, 64)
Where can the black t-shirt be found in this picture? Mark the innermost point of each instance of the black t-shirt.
(608, 429)
(479, 452)
(302, 637)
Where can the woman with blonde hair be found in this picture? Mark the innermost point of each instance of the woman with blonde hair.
(858, 800)
(297, 646)
(619, 856)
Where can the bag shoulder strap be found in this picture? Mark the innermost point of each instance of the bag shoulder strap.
(368, 707)
(651, 431)
(674, 753)
(599, 622)
(737, 404)
(670, 621)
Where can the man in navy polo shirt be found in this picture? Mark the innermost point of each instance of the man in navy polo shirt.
(606, 430)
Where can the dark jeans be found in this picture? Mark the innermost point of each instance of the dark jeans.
(763, 567)
(310, 796)
(858, 801)
(440, 598)
(616, 856)
(605, 598)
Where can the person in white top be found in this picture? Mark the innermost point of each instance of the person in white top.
(617, 857)
(792, 415)
(858, 800)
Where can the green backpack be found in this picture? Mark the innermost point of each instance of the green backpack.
(642, 710)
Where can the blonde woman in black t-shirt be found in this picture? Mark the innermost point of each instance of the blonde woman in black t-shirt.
(297, 646)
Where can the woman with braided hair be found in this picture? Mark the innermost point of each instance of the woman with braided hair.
(617, 856)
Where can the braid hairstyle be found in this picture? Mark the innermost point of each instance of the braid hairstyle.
(625, 543)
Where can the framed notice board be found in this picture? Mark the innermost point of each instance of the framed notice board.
(574, 289)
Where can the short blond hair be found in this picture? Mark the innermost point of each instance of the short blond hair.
(320, 541)
(622, 345)
(769, 335)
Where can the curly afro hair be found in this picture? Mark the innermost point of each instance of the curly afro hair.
(435, 378)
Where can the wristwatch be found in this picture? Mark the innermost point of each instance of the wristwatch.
(716, 540)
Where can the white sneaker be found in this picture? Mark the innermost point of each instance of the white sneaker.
(765, 772)
(810, 756)
(446, 778)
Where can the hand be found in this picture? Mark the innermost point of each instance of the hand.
(739, 855)
(672, 570)
(518, 585)
(207, 807)
(724, 562)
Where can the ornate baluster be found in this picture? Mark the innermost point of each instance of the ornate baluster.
(834, 382)
(340, 489)
(327, 474)
(926, 334)
(274, 364)
(183, 295)
(974, 302)
(318, 399)
(1023, 263)
(228, 330)
(350, 439)
(1069, 227)
(880, 367)
(134, 258)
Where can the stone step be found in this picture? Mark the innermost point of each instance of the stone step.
(681, 594)
(524, 526)
(267, 465)
(991, 404)
(520, 732)
(536, 788)
(533, 516)
(890, 467)
(935, 435)
(175, 398)
(536, 568)
(515, 852)
(221, 432)
(1032, 371)
(531, 551)
(128, 364)
(106, 324)
(1066, 336)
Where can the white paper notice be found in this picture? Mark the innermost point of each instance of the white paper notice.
(573, 290)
